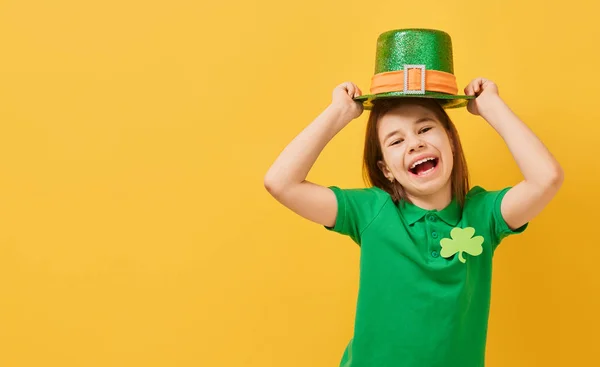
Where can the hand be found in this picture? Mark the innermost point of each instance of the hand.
(342, 98)
(486, 93)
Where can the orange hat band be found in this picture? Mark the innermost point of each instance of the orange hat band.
(418, 81)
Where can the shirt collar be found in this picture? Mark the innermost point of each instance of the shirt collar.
(450, 214)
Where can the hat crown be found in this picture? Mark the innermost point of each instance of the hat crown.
(429, 47)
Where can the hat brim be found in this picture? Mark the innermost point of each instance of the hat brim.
(446, 100)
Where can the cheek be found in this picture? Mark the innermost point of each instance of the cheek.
(448, 157)
(442, 143)
(394, 158)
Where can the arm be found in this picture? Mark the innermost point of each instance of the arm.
(286, 179)
(542, 174)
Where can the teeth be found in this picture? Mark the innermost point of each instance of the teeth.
(421, 161)
(426, 172)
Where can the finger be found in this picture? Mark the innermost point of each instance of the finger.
(469, 89)
(345, 86)
(485, 83)
(470, 107)
(477, 85)
(476, 88)
(482, 83)
(360, 106)
(350, 89)
(356, 92)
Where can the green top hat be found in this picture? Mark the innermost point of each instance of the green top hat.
(415, 63)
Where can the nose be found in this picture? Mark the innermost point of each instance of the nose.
(415, 144)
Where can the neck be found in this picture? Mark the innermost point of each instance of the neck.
(436, 201)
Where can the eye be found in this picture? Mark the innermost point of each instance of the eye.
(424, 130)
(397, 141)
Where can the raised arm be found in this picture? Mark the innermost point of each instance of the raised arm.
(542, 174)
(286, 179)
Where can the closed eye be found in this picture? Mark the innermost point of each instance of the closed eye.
(424, 130)
(397, 142)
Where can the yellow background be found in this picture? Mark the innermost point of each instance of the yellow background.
(134, 137)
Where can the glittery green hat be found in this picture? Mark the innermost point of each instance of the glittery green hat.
(415, 63)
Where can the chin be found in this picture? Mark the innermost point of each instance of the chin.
(428, 187)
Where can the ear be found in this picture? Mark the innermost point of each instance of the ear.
(386, 171)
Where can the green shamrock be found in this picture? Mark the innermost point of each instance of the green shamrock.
(461, 242)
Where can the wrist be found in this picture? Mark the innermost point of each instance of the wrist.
(340, 115)
(491, 107)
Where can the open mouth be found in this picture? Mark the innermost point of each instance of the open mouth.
(424, 166)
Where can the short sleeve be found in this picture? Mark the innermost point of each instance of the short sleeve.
(487, 205)
(502, 228)
(357, 208)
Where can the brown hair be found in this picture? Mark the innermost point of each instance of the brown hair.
(373, 175)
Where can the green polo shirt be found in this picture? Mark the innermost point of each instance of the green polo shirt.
(425, 278)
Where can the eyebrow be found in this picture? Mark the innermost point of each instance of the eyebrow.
(422, 119)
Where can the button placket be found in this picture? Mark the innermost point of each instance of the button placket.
(434, 235)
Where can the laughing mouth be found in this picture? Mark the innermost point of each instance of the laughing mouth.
(424, 166)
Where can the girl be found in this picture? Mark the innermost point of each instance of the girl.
(426, 238)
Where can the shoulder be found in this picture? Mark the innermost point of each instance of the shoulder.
(366, 202)
(358, 208)
(483, 207)
(480, 197)
(367, 194)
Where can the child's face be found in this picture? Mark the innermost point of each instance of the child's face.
(416, 150)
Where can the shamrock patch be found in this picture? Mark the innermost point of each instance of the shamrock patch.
(462, 241)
